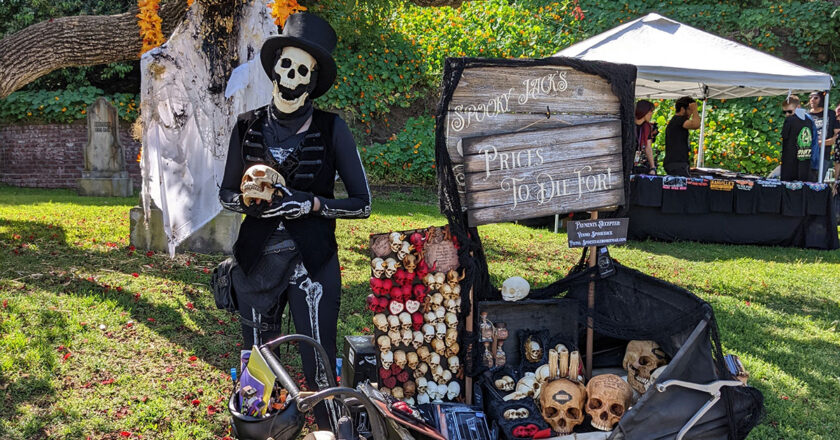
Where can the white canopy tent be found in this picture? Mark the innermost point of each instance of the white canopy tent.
(674, 60)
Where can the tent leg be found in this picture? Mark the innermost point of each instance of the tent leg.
(701, 145)
(821, 170)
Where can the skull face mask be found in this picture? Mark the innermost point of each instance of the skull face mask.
(294, 78)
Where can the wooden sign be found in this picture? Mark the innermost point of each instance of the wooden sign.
(532, 141)
(598, 232)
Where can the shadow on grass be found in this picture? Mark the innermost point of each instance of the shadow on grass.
(35, 256)
(25, 197)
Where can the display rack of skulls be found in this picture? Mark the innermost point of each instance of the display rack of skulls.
(416, 300)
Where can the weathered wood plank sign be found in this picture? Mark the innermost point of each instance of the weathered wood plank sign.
(531, 141)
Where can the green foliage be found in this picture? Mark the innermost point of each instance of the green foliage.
(490, 28)
(63, 106)
(408, 157)
(737, 137)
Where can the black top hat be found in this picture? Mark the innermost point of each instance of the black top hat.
(312, 34)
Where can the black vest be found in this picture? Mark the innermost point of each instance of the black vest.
(314, 172)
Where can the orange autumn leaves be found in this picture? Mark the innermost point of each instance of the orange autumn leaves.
(149, 22)
(282, 9)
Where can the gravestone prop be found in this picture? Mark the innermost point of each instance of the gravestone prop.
(104, 174)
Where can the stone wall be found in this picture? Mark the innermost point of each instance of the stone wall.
(51, 155)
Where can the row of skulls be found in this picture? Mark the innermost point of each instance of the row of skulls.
(565, 401)
(396, 298)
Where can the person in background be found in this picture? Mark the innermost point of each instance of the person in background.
(798, 142)
(817, 102)
(837, 151)
(643, 162)
(676, 136)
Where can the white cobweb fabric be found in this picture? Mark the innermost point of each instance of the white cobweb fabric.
(186, 128)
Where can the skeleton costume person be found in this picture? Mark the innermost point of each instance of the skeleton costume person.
(286, 250)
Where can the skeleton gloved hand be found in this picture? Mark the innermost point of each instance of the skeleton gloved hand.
(290, 203)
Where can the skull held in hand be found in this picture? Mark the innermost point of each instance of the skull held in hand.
(258, 183)
(640, 359)
(609, 397)
(562, 404)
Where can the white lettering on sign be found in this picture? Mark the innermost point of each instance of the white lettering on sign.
(509, 160)
(546, 85)
(546, 186)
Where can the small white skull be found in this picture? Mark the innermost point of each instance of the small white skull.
(440, 313)
(453, 305)
(384, 343)
(405, 320)
(387, 359)
(516, 413)
(412, 359)
(451, 320)
(434, 360)
(293, 70)
(436, 299)
(400, 359)
(429, 317)
(258, 183)
(378, 267)
(453, 390)
(395, 239)
(440, 278)
(393, 322)
(391, 266)
(422, 385)
(515, 288)
(446, 376)
(395, 337)
(406, 337)
(423, 399)
(437, 373)
(428, 332)
(441, 391)
(440, 331)
(410, 401)
(504, 384)
(454, 364)
(417, 339)
(381, 322)
(405, 249)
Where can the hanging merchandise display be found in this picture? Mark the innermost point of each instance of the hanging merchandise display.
(416, 299)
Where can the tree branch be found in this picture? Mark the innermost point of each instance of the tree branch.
(83, 40)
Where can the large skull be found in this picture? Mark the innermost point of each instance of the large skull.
(293, 74)
(562, 405)
(515, 288)
(258, 183)
(640, 359)
(609, 397)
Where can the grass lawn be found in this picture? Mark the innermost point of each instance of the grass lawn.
(99, 340)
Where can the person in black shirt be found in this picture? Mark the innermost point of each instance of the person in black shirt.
(817, 103)
(676, 136)
(798, 133)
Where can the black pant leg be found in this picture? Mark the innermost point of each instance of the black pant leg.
(328, 279)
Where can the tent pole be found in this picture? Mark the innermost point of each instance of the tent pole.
(821, 174)
(701, 147)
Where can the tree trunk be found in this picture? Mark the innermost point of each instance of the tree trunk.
(83, 40)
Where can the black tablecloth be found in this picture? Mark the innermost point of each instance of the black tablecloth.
(736, 211)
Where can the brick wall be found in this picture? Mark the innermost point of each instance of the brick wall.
(56, 148)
